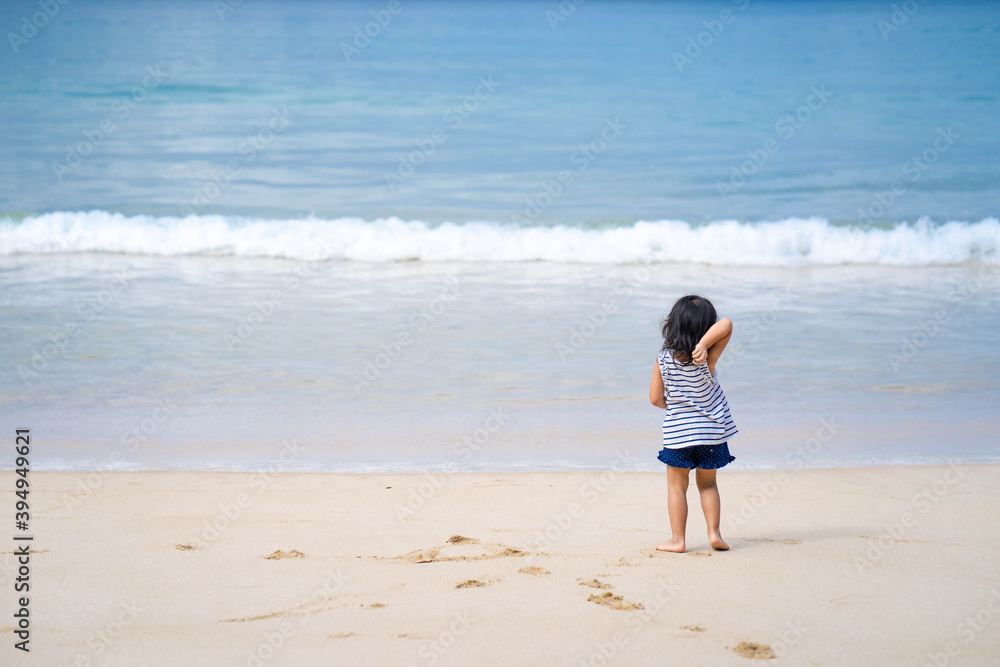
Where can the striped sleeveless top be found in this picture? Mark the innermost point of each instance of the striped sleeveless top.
(697, 410)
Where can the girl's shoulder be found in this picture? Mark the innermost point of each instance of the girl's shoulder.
(666, 356)
(667, 361)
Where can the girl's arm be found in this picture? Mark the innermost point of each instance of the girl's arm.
(656, 388)
(711, 345)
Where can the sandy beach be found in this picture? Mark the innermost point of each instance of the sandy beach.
(415, 260)
(865, 566)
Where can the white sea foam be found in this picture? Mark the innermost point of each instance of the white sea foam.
(789, 242)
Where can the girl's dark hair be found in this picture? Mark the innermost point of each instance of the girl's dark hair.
(687, 322)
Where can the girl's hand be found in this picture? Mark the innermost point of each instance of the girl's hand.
(711, 345)
(699, 354)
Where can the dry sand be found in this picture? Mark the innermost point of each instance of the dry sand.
(865, 566)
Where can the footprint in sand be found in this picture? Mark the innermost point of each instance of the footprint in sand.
(341, 635)
(422, 556)
(185, 547)
(754, 651)
(373, 605)
(433, 555)
(613, 601)
(461, 539)
(536, 571)
(594, 583)
(280, 555)
(693, 628)
(624, 562)
(768, 539)
(510, 552)
(471, 583)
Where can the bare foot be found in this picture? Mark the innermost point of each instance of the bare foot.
(718, 543)
(675, 546)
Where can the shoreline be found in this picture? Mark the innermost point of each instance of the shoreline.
(837, 566)
(448, 468)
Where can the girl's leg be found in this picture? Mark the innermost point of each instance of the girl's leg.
(711, 506)
(677, 485)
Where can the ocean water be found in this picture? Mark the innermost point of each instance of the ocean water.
(252, 236)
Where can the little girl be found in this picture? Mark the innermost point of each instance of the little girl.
(697, 424)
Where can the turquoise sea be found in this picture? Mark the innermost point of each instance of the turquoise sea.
(441, 235)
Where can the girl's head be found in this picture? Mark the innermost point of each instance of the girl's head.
(687, 322)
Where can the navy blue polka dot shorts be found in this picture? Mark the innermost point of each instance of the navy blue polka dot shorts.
(707, 457)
